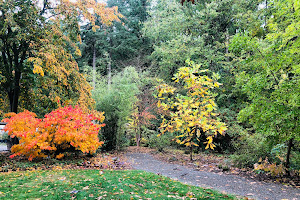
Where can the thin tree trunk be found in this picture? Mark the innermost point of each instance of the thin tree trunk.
(191, 153)
(266, 14)
(109, 72)
(227, 45)
(109, 65)
(138, 139)
(94, 67)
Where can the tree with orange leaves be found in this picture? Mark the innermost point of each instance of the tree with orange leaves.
(64, 129)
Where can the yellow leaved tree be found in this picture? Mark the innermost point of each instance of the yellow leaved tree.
(38, 41)
(190, 109)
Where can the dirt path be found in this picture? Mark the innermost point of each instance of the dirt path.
(225, 183)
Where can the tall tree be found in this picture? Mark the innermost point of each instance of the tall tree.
(121, 44)
(269, 74)
(39, 37)
(198, 32)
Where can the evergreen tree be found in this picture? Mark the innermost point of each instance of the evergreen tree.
(114, 47)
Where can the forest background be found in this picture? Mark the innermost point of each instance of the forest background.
(135, 53)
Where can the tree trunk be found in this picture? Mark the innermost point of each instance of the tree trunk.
(227, 45)
(94, 67)
(109, 65)
(191, 153)
(138, 136)
(137, 139)
(13, 95)
(109, 72)
(266, 14)
(287, 162)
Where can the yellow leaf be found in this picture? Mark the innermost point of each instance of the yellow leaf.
(209, 107)
(191, 124)
(188, 144)
(159, 103)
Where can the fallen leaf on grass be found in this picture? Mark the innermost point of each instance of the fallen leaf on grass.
(86, 188)
(62, 178)
(139, 184)
(74, 191)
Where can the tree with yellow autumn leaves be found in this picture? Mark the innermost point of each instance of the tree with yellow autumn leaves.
(190, 110)
(37, 42)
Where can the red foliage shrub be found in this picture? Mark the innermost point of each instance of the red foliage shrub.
(61, 130)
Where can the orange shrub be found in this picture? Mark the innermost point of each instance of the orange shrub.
(61, 130)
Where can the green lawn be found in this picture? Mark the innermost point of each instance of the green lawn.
(95, 184)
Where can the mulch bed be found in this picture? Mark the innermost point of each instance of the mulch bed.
(111, 160)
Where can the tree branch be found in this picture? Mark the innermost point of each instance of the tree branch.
(277, 82)
(45, 6)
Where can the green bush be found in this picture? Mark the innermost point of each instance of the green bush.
(160, 142)
(249, 149)
(117, 102)
(227, 143)
(295, 160)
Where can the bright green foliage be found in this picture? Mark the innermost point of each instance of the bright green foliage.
(198, 32)
(201, 32)
(117, 101)
(269, 74)
(168, 27)
(193, 113)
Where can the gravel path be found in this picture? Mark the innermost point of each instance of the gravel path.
(225, 183)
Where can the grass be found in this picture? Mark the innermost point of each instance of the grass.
(97, 184)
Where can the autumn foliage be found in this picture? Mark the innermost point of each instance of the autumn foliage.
(192, 114)
(66, 128)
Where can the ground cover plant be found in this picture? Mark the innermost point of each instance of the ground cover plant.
(97, 184)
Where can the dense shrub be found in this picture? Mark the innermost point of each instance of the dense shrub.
(63, 129)
(161, 142)
(249, 149)
(117, 100)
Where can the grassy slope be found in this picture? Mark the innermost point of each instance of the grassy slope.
(95, 184)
